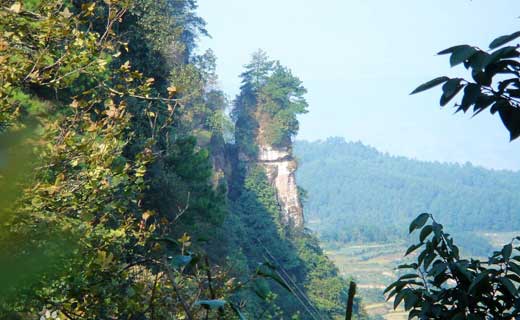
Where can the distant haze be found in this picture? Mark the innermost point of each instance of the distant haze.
(359, 59)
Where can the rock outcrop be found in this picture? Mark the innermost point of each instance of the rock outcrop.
(280, 167)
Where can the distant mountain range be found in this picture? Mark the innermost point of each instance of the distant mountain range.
(356, 193)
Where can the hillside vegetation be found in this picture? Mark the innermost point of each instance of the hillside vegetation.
(356, 193)
(123, 195)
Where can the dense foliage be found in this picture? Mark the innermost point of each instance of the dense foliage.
(442, 285)
(270, 99)
(351, 186)
(265, 112)
(317, 289)
(109, 103)
(114, 173)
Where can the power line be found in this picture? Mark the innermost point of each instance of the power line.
(294, 284)
(295, 294)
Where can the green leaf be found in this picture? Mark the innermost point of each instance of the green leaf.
(481, 78)
(437, 268)
(410, 299)
(509, 285)
(483, 101)
(500, 41)
(511, 118)
(513, 277)
(477, 281)
(464, 271)
(451, 49)
(461, 54)
(399, 298)
(471, 93)
(392, 285)
(430, 84)
(503, 53)
(514, 267)
(409, 276)
(261, 288)
(429, 259)
(477, 61)
(211, 304)
(419, 221)
(425, 232)
(412, 248)
(437, 229)
(450, 90)
(507, 250)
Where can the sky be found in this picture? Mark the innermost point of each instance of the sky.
(360, 59)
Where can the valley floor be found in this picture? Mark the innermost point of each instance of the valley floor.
(372, 266)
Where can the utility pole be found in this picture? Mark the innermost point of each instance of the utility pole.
(350, 301)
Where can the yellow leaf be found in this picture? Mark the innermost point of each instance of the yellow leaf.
(16, 7)
(102, 63)
(184, 239)
(3, 45)
(230, 282)
(112, 112)
(59, 179)
(66, 13)
(88, 7)
(125, 66)
(92, 128)
(172, 90)
(147, 214)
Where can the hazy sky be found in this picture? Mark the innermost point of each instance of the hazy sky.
(359, 59)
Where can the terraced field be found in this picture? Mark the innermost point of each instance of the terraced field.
(372, 266)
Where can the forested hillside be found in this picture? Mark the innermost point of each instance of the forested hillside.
(356, 193)
(123, 195)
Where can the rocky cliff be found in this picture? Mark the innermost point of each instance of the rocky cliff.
(280, 167)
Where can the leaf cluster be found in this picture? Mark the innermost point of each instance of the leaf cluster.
(440, 284)
(495, 82)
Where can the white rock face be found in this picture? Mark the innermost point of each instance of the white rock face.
(280, 167)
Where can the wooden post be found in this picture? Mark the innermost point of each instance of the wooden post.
(350, 301)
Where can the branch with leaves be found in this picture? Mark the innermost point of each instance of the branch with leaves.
(443, 285)
(495, 81)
